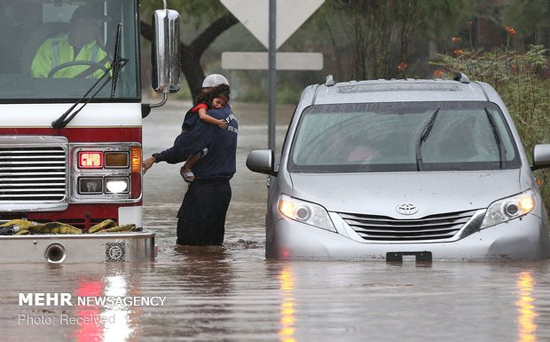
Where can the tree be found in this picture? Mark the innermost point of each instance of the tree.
(208, 15)
(360, 39)
(529, 17)
(379, 35)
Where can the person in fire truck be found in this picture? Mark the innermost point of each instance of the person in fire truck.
(201, 217)
(75, 54)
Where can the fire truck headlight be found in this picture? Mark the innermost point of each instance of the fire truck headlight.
(90, 185)
(117, 185)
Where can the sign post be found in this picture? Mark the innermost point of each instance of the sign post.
(284, 18)
(272, 73)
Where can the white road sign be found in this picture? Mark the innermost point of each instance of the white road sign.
(254, 15)
(285, 60)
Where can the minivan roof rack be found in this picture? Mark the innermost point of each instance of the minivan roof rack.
(329, 81)
(460, 77)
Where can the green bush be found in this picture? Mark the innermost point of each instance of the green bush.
(516, 77)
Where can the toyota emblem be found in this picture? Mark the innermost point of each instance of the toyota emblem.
(407, 209)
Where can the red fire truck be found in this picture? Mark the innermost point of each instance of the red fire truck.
(70, 137)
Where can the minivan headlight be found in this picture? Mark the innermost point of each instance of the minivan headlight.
(509, 208)
(305, 212)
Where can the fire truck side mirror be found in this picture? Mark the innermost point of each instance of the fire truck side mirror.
(166, 51)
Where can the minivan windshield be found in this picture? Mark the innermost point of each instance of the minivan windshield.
(407, 136)
(77, 39)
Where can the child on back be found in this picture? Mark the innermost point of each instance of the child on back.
(210, 98)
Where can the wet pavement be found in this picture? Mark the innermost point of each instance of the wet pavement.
(231, 293)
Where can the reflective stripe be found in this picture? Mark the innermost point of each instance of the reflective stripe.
(55, 52)
(95, 52)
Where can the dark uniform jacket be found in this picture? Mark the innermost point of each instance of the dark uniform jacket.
(220, 162)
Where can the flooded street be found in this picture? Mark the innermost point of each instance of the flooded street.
(232, 293)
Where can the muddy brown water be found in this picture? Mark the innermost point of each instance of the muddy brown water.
(232, 293)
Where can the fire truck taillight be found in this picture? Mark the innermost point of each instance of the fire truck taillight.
(90, 160)
(135, 154)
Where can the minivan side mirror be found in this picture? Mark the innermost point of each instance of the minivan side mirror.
(541, 157)
(261, 161)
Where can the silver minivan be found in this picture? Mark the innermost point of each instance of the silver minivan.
(403, 169)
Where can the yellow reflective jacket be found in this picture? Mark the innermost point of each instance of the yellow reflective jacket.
(57, 50)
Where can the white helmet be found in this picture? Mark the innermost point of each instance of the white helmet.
(214, 80)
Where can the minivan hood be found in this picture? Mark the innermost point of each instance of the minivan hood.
(381, 193)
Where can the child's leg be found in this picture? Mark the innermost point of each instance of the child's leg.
(185, 170)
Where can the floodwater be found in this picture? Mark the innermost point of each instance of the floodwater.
(232, 293)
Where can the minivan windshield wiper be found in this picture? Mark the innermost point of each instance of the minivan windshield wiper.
(498, 139)
(423, 137)
(118, 63)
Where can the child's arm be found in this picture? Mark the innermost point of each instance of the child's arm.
(211, 120)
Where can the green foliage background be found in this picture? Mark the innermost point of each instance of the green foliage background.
(516, 77)
(361, 39)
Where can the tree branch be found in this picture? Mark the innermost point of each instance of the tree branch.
(207, 37)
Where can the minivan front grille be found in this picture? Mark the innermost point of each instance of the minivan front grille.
(32, 173)
(387, 229)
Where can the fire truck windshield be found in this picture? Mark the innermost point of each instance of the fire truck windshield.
(55, 51)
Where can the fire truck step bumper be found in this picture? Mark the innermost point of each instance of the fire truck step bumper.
(81, 248)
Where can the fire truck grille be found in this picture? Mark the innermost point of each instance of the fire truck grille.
(32, 173)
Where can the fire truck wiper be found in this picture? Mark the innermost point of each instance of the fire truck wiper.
(118, 62)
(116, 66)
(66, 117)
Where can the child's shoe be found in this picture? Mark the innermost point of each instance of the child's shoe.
(187, 174)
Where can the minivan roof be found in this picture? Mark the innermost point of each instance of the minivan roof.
(403, 90)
